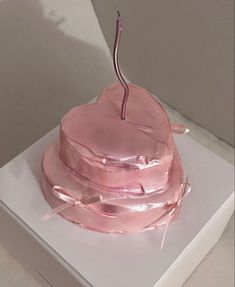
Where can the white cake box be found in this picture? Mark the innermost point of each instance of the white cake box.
(59, 253)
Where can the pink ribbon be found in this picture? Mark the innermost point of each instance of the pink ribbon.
(85, 202)
(173, 208)
(70, 201)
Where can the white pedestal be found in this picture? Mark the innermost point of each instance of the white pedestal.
(60, 253)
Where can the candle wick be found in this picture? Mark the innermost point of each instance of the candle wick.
(117, 68)
(119, 15)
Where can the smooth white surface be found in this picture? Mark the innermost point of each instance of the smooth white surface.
(218, 267)
(215, 271)
(129, 256)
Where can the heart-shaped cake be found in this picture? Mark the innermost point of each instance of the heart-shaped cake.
(115, 173)
(132, 165)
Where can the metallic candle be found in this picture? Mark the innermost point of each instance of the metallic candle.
(119, 26)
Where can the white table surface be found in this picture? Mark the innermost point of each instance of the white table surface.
(215, 271)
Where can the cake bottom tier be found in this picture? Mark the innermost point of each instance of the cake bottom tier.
(117, 212)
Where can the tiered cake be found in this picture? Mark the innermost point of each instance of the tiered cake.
(122, 175)
(115, 167)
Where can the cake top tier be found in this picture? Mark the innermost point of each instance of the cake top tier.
(96, 131)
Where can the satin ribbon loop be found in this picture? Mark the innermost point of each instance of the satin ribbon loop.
(186, 188)
(179, 129)
(171, 209)
(69, 201)
(61, 194)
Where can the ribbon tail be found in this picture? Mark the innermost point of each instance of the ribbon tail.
(156, 220)
(55, 211)
(165, 232)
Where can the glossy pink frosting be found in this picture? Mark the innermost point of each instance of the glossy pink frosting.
(132, 164)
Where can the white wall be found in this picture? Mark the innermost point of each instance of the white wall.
(52, 56)
(183, 50)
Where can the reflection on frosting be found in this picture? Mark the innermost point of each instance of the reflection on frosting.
(114, 175)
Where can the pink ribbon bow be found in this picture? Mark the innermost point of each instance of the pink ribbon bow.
(62, 194)
(85, 202)
(171, 209)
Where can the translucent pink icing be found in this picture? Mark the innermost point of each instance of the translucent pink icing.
(132, 164)
(133, 154)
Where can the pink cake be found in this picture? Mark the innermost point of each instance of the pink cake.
(131, 166)
(115, 167)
